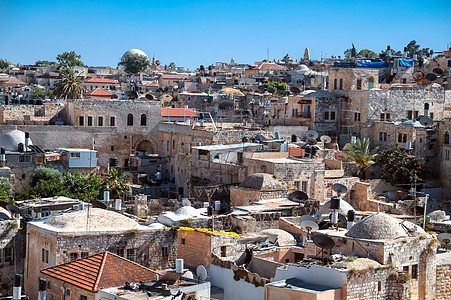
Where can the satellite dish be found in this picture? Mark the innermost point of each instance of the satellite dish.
(311, 141)
(418, 75)
(309, 226)
(342, 219)
(271, 90)
(311, 134)
(149, 97)
(12, 208)
(431, 76)
(426, 121)
(299, 195)
(323, 241)
(444, 238)
(295, 90)
(438, 71)
(186, 202)
(318, 214)
(325, 139)
(339, 188)
(201, 272)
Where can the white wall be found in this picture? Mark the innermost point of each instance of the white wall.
(329, 277)
(223, 278)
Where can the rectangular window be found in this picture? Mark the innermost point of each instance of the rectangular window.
(100, 121)
(297, 184)
(431, 115)
(164, 251)
(387, 117)
(84, 254)
(332, 115)
(112, 121)
(382, 136)
(83, 297)
(25, 159)
(399, 137)
(223, 251)
(341, 84)
(45, 255)
(446, 154)
(326, 115)
(73, 256)
(75, 154)
(81, 121)
(409, 114)
(359, 84)
(7, 254)
(335, 84)
(183, 241)
(131, 254)
(357, 117)
(89, 121)
(304, 186)
(112, 148)
(382, 117)
(414, 271)
(120, 252)
(162, 145)
(404, 138)
(415, 114)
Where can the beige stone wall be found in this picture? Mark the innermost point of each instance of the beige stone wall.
(27, 114)
(442, 164)
(56, 289)
(350, 77)
(276, 293)
(443, 282)
(196, 249)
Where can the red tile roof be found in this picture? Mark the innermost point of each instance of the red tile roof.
(100, 80)
(270, 66)
(173, 76)
(100, 271)
(150, 84)
(99, 94)
(12, 81)
(178, 112)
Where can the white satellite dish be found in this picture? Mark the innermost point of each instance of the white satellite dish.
(444, 238)
(309, 226)
(201, 272)
(339, 188)
(311, 134)
(308, 218)
(186, 202)
(325, 139)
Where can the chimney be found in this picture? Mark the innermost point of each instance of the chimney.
(2, 157)
(17, 289)
(27, 140)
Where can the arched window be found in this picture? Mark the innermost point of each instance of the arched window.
(143, 120)
(446, 138)
(130, 120)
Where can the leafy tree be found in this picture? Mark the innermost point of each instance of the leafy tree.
(115, 182)
(361, 155)
(134, 63)
(277, 86)
(157, 62)
(42, 173)
(4, 64)
(42, 63)
(37, 93)
(68, 86)
(399, 167)
(6, 191)
(392, 53)
(69, 59)
(353, 51)
(366, 53)
(413, 48)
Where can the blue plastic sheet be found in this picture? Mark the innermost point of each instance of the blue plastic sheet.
(405, 62)
(371, 64)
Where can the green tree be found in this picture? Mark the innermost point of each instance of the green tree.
(115, 182)
(42, 173)
(6, 191)
(69, 86)
(353, 51)
(37, 93)
(157, 62)
(277, 86)
(361, 155)
(392, 53)
(69, 59)
(134, 63)
(4, 64)
(413, 48)
(366, 53)
(42, 63)
(399, 167)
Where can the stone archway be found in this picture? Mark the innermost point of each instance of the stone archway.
(145, 146)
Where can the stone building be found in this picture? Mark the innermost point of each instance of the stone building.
(77, 234)
(442, 159)
(341, 81)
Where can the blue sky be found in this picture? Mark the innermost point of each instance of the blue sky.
(191, 33)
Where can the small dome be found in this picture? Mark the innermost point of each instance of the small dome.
(279, 236)
(381, 226)
(186, 211)
(135, 51)
(261, 181)
(11, 139)
(99, 220)
(230, 91)
(344, 207)
(302, 69)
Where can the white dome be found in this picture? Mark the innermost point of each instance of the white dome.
(11, 139)
(135, 51)
(302, 69)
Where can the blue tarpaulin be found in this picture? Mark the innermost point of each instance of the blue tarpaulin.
(405, 62)
(371, 64)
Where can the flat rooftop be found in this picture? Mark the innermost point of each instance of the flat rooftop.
(299, 285)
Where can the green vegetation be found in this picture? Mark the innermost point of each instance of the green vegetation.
(277, 86)
(413, 48)
(68, 86)
(45, 63)
(37, 93)
(360, 154)
(351, 258)
(69, 60)
(134, 63)
(4, 64)
(6, 191)
(399, 167)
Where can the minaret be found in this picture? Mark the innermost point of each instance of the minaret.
(306, 54)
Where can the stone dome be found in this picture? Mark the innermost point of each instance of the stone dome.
(279, 236)
(344, 207)
(230, 91)
(381, 226)
(261, 181)
(135, 51)
(99, 220)
(11, 139)
(302, 69)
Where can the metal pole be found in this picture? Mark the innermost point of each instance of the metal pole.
(425, 209)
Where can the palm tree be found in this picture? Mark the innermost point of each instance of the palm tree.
(115, 182)
(68, 87)
(360, 154)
